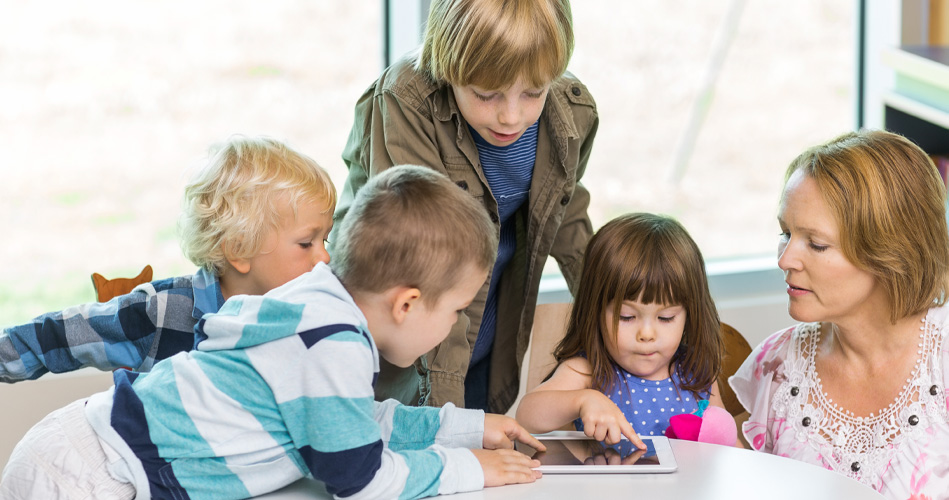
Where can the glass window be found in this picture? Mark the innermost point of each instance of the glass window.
(105, 105)
(704, 104)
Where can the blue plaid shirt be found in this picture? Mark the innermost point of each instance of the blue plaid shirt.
(154, 321)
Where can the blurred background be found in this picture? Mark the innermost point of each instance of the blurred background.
(105, 106)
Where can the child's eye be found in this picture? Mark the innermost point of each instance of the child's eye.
(666, 319)
(534, 95)
(626, 318)
(306, 244)
(484, 97)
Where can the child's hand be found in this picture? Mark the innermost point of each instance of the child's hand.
(604, 421)
(501, 432)
(506, 467)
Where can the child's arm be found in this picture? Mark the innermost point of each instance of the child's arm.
(567, 396)
(123, 332)
(576, 229)
(715, 396)
(715, 399)
(364, 449)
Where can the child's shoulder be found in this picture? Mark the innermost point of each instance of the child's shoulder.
(404, 80)
(573, 89)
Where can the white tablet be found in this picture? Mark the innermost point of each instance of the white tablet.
(571, 452)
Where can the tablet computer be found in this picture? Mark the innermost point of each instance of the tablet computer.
(571, 452)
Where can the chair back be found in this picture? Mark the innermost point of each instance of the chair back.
(736, 350)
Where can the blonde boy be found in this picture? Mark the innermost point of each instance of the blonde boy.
(282, 385)
(255, 216)
(488, 102)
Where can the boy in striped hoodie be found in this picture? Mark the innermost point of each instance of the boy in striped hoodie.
(280, 386)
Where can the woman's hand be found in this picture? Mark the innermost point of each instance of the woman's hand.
(506, 467)
(604, 421)
(501, 432)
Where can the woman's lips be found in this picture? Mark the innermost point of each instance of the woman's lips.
(796, 292)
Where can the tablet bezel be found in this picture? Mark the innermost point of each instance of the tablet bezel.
(667, 462)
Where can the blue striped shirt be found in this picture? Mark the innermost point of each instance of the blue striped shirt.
(282, 387)
(508, 170)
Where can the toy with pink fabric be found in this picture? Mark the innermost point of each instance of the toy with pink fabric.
(708, 424)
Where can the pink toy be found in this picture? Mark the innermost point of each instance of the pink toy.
(709, 424)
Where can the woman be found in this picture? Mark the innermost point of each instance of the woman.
(859, 386)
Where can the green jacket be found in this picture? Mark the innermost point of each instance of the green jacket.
(406, 118)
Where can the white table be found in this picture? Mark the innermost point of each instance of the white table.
(705, 472)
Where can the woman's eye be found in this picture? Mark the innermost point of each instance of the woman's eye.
(818, 248)
(784, 236)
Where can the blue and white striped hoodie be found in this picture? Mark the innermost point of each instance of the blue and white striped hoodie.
(281, 387)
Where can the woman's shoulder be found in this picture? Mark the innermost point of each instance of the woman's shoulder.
(780, 342)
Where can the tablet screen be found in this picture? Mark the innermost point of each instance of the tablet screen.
(591, 452)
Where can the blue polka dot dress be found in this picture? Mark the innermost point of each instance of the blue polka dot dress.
(648, 404)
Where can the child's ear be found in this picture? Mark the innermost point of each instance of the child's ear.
(406, 300)
(240, 264)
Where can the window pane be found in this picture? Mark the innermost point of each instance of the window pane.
(786, 82)
(105, 104)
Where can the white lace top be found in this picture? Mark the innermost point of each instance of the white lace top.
(902, 451)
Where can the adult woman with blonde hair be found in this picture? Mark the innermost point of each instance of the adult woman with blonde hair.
(859, 386)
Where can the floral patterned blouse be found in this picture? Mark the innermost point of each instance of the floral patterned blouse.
(901, 451)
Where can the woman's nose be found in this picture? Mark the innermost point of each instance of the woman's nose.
(787, 256)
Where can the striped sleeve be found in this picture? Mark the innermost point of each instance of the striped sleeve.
(331, 415)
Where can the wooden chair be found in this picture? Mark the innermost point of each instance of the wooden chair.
(107, 289)
(550, 325)
(736, 350)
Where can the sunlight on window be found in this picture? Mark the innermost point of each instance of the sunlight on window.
(757, 81)
(104, 105)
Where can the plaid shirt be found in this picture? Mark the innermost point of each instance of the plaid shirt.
(154, 321)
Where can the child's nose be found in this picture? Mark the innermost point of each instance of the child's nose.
(322, 255)
(646, 333)
(509, 112)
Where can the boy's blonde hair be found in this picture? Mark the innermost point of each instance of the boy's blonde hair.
(231, 203)
(492, 43)
(411, 226)
(890, 204)
(652, 259)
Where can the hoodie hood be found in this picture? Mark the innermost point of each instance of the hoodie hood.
(313, 300)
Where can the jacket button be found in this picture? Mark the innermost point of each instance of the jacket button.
(463, 185)
(576, 91)
(565, 199)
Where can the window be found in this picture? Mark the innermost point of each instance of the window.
(105, 105)
(704, 104)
